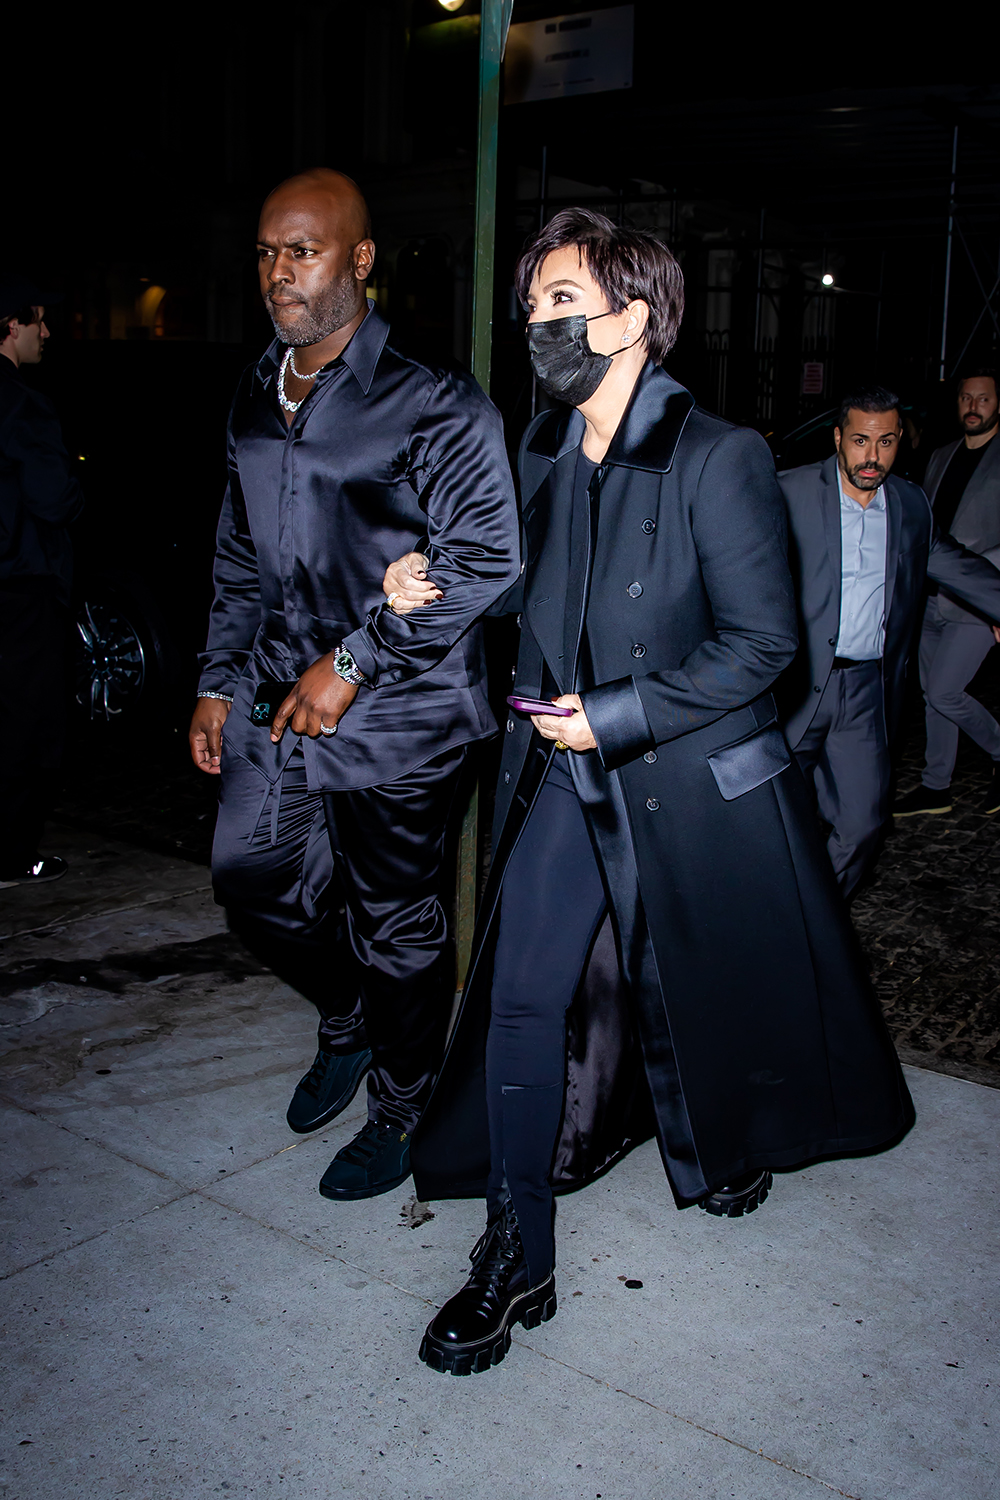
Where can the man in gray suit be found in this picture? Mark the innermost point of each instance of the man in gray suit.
(963, 486)
(862, 547)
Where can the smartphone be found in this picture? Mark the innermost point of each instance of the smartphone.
(268, 699)
(538, 706)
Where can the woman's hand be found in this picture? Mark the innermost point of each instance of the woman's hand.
(574, 733)
(407, 586)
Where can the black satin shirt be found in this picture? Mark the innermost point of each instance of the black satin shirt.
(385, 455)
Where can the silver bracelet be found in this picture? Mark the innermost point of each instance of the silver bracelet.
(223, 697)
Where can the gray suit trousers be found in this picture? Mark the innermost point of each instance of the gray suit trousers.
(844, 756)
(951, 653)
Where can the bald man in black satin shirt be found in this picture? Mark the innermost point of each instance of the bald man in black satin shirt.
(344, 454)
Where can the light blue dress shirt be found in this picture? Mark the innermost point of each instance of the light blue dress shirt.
(864, 535)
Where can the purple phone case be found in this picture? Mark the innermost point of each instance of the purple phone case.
(538, 706)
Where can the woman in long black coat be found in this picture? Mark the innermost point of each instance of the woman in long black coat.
(661, 945)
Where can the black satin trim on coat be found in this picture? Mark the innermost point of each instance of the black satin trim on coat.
(618, 722)
(604, 807)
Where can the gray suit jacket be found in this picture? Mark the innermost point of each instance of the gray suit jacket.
(915, 551)
(977, 520)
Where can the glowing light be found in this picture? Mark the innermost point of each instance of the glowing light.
(828, 279)
(451, 4)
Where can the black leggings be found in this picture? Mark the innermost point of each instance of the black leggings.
(552, 904)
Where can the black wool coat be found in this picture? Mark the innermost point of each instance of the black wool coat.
(726, 989)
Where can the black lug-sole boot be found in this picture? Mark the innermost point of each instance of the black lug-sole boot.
(738, 1198)
(472, 1331)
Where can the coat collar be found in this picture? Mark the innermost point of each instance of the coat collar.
(361, 355)
(647, 435)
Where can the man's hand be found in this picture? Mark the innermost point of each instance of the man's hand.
(320, 697)
(407, 584)
(575, 732)
(205, 734)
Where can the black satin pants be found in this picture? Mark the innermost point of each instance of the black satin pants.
(551, 906)
(286, 862)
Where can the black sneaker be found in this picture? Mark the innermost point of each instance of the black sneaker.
(738, 1198)
(377, 1160)
(326, 1089)
(922, 800)
(52, 868)
(991, 802)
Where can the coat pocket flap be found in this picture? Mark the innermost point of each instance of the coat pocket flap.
(748, 763)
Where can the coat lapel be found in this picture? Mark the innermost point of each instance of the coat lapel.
(894, 512)
(830, 502)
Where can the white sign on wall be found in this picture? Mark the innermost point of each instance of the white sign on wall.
(587, 53)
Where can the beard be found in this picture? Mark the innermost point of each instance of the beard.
(865, 481)
(325, 312)
(972, 422)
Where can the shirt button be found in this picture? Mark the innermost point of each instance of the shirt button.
(649, 526)
(510, 725)
(638, 649)
(634, 590)
(650, 757)
(652, 804)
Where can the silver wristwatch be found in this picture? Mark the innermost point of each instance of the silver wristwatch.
(346, 667)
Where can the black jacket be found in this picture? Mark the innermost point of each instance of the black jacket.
(745, 1006)
(39, 493)
(384, 453)
(916, 551)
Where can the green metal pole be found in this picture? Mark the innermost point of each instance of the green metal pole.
(493, 25)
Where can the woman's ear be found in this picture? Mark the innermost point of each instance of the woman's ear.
(635, 326)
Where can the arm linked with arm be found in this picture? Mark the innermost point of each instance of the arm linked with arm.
(465, 487)
(739, 528)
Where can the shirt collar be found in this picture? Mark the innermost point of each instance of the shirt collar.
(361, 355)
(847, 502)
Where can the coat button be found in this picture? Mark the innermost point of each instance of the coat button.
(649, 526)
(815, 690)
(638, 649)
(833, 640)
(634, 590)
(650, 757)
(506, 777)
(652, 804)
(519, 622)
(510, 725)
(522, 567)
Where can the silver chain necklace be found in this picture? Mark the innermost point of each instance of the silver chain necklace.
(289, 359)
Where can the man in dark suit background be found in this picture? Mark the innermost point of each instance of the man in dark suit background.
(862, 546)
(963, 486)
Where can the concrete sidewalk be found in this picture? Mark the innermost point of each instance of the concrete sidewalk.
(186, 1316)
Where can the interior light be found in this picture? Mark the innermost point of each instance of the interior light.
(827, 279)
(451, 4)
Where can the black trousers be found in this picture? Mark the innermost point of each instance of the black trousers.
(552, 903)
(382, 976)
(34, 686)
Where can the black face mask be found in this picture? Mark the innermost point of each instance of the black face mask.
(565, 366)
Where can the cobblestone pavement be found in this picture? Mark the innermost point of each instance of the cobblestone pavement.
(928, 919)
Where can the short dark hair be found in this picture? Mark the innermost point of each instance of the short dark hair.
(23, 315)
(872, 398)
(628, 265)
(981, 372)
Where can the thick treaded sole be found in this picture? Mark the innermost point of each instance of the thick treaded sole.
(922, 812)
(531, 1309)
(345, 1195)
(333, 1110)
(735, 1205)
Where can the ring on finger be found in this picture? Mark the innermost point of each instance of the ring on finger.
(391, 598)
(561, 746)
(328, 729)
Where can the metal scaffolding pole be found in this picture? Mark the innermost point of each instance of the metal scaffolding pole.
(493, 27)
(947, 257)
